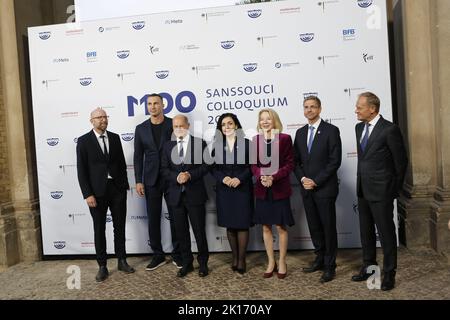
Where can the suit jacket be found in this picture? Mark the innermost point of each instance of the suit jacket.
(238, 167)
(194, 162)
(93, 166)
(281, 187)
(382, 167)
(322, 163)
(147, 154)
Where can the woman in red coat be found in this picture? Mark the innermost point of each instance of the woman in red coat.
(273, 164)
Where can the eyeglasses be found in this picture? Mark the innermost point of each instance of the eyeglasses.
(101, 117)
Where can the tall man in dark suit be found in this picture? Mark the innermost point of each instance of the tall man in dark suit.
(102, 175)
(149, 139)
(382, 163)
(318, 153)
(183, 164)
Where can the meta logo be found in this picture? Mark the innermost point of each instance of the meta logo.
(56, 194)
(85, 81)
(123, 54)
(184, 102)
(365, 3)
(307, 37)
(127, 136)
(349, 34)
(227, 44)
(52, 141)
(254, 13)
(45, 35)
(162, 74)
(59, 244)
(60, 60)
(250, 67)
(138, 25)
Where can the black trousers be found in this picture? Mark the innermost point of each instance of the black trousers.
(116, 200)
(381, 215)
(183, 213)
(321, 217)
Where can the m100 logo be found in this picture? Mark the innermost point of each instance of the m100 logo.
(184, 102)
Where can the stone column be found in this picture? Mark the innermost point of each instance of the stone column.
(23, 200)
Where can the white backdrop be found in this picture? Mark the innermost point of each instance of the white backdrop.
(204, 62)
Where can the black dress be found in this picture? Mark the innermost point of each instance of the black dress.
(235, 206)
(269, 211)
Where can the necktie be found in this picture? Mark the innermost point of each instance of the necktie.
(365, 138)
(181, 151)
(311, 138)
(105, 150)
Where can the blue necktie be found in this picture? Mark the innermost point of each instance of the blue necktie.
(311, 138)
(365, 138)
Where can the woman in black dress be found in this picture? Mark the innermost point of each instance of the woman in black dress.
(234, 188)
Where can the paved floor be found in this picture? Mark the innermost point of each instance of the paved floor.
(422, 275)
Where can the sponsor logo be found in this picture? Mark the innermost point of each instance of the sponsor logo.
(162, 74)
(368, 57)
(69, 114)
(198, 69)
(74, 32)
(127, 136)
(85, 81)
(91, 56)
(56, 194)
(250, 67)
(52, 141)
(349, 34)
(265, 38)
(307, 37)
(184, 102)
(310, 94)
(45, 35)
(323, 4)
(227, 44)
(138, 25)
(256, 13)
(351, 91)
(173, 21)
(325, 59)
(280, 65)
(153, 49)
(47, 82)
(365, 3)
(73, 215)
(124, 74)
(209, 15)
(60, 60)
(123, 54)
(101, 29)
(290, 10)
(189, 47)
(59, 244)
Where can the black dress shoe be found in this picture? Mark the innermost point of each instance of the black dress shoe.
(388, 281)
(316, 266)
(363, 275)
(122, 265)
(327, 276)
(102, 274)
(203, 272)
(185, 270)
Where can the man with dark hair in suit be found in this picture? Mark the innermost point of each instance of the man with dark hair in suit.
(183, 164)
(149, 139)
(382, 163)
(102, 175)
(318, 153)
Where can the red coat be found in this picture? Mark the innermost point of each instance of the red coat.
(283, 151)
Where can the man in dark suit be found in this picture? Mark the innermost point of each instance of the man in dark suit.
(382, 163)
(183, 165)
(149, 139)
(102, 175)
(318, 153)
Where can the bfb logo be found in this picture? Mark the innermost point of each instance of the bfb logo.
(365, 3)
(254, 13)
(250, 67)
(45, 35)
(127, 136)
(186, 96)
(56, 194)
(349, 32)
(162, 74)
(307, 37)
(138, 25)
(59, 244)
(91, 54)
(52, 141)
(227, 44)
(85, 81)
(123, 54)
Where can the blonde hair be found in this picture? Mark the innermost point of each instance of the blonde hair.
(277, 125)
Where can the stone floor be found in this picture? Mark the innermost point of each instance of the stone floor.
(422, 274)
